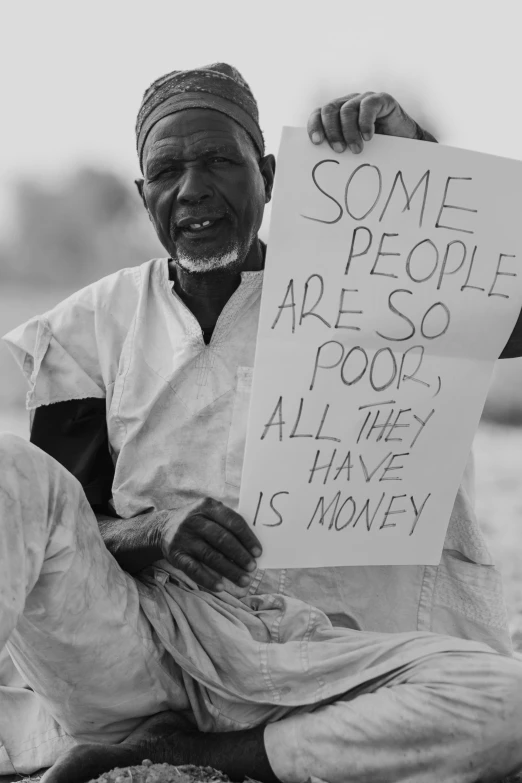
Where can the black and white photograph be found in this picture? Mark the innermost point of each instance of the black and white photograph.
(260, 392)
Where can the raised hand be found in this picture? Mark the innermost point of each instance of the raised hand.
(353, 119)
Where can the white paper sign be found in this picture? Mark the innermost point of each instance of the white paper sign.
(393, 281)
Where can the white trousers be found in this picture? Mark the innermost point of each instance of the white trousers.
(74, 625)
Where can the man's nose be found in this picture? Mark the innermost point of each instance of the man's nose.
(194, 186)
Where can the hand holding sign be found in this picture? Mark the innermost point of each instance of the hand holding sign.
(392, 283)
(353, 119)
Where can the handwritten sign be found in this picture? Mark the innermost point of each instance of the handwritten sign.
(393, 281)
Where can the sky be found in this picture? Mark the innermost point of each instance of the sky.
(72, 74)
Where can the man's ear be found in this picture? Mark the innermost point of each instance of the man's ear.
(139, 184)
(267, 167)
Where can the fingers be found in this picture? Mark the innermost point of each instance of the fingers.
(370, 108)
(380, 112)
(351, 120)
(234, 523)
(197, 571)
(358, 116)
(332, 127)
(227, 544)
(338, 123)
(218, 562)
(324, 123)
(314, 127)
(219, 540)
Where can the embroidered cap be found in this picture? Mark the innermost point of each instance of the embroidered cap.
(218, 86)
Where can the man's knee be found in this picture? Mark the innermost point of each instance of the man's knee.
(499, 738)
(15, 451)
(25, 467)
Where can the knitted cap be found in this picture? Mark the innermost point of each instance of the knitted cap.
(219, 87)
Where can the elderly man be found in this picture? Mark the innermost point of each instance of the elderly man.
(129, 589)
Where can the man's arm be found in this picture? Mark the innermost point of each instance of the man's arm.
(206, 540)
(135, 542)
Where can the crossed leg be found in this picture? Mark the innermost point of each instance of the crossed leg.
(69, 615)
(73, 624)
(452, 717)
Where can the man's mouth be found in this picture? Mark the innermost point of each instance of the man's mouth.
(191, 225)
(200, 226)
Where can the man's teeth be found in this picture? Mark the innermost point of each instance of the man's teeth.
(201, 225)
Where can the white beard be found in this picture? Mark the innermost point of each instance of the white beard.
(198, 265)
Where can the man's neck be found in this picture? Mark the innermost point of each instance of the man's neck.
(206, 295)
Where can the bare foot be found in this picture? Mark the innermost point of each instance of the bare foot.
(85, 762)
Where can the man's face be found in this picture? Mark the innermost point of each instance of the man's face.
(204, 189)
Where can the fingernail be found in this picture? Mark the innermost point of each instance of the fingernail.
(219, 587)
(355, 148)
(256, 551)
(338, 147)
(317, 137)
(251, 566)
(244, 581)
(367, 136)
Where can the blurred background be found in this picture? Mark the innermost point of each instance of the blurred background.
(71, 80)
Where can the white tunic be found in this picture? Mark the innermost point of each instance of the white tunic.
(176, 415)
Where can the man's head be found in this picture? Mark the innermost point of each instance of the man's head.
(206, 177)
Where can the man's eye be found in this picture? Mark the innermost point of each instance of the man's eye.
(219, 159)
(154, 176)
(168, 170)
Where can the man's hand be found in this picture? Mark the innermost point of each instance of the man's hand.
(354, 118)
(211, 542)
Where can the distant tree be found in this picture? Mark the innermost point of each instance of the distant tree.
(89, 225)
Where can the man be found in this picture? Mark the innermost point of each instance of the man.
(152, 366)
